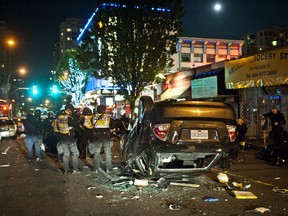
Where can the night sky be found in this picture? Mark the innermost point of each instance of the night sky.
(35, 23)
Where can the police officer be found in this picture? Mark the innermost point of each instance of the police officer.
(67, 144)
(104, 127)
(86, 122)
(33, 131)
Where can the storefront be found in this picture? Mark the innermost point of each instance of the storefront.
(262, 80)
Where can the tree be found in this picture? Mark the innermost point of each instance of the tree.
(132, 43)
(71, 77)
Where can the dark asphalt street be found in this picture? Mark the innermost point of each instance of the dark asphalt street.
(42, 189)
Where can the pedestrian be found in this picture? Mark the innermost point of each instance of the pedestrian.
(86, 122)
(33, 130)
(67, 143)
(277, 121)
(48, 131)
(277, 139)
(103, 130)
(241, 130)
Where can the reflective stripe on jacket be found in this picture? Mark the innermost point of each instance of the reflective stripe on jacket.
(102, 120)
(63, 124)
(88, 119)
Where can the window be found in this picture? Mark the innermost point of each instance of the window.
(69, 29)
(198, 57)
(185, 57)
(210, 58)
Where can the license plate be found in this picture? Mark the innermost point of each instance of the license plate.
(199, 134)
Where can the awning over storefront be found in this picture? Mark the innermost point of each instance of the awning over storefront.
(264, 69)
(174, 93)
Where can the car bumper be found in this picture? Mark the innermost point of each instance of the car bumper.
(7, 133)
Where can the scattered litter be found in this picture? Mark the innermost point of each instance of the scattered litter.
(141, 182)
(217, 188)
(162, 183)
(247, 186)
(123, 183)
(91, 187)
(135, 197)
(262, 209)
(259, 210)
(210, 199)
(99, 196)
(185, 184)
(280, 190)
(36, 170)
(243, 194)
(6, 150)
(237, 185)
(222, 178)
(4, 165)
(105, 174)
(174, 207)
(277, 178)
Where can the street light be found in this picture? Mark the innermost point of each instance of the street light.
(21, 71)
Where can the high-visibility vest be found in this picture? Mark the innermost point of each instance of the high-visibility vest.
(55, 125)
(63, 124)
(102, 120)
(88, 121)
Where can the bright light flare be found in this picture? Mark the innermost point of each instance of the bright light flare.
(217, 7)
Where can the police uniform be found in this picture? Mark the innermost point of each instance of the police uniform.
(86, 124)
(67, 144)
(102, 126)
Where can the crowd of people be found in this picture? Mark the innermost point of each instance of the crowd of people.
(74, 133)
(77, 133)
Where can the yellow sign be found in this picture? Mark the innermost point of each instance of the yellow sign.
(263, 69)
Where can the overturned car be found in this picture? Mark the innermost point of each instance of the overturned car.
(175, 139)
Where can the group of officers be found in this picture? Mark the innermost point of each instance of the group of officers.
(73, 133)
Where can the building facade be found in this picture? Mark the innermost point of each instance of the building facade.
(269, 38)
(193, 52)
(68, 33)
(262, 82)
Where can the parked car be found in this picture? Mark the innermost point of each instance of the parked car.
(8, 128)
(173, 139)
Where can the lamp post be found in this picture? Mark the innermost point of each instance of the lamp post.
(22, 71)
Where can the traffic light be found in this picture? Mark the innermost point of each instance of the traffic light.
(34, 90)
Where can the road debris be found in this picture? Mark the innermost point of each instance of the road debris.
(91, 187)
(174, 207)
(259, 210)
(99, 196)
(4, 165)
(141, 182)
(222, 178)
(210, 199)
(243, 194)
(162, 183)
(281, 190)
(185, 184)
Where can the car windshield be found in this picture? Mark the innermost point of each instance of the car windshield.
(6, 122)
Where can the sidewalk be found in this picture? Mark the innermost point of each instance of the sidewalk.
(255, 143)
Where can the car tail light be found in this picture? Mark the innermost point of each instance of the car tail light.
(232, 132)
(161, 131)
